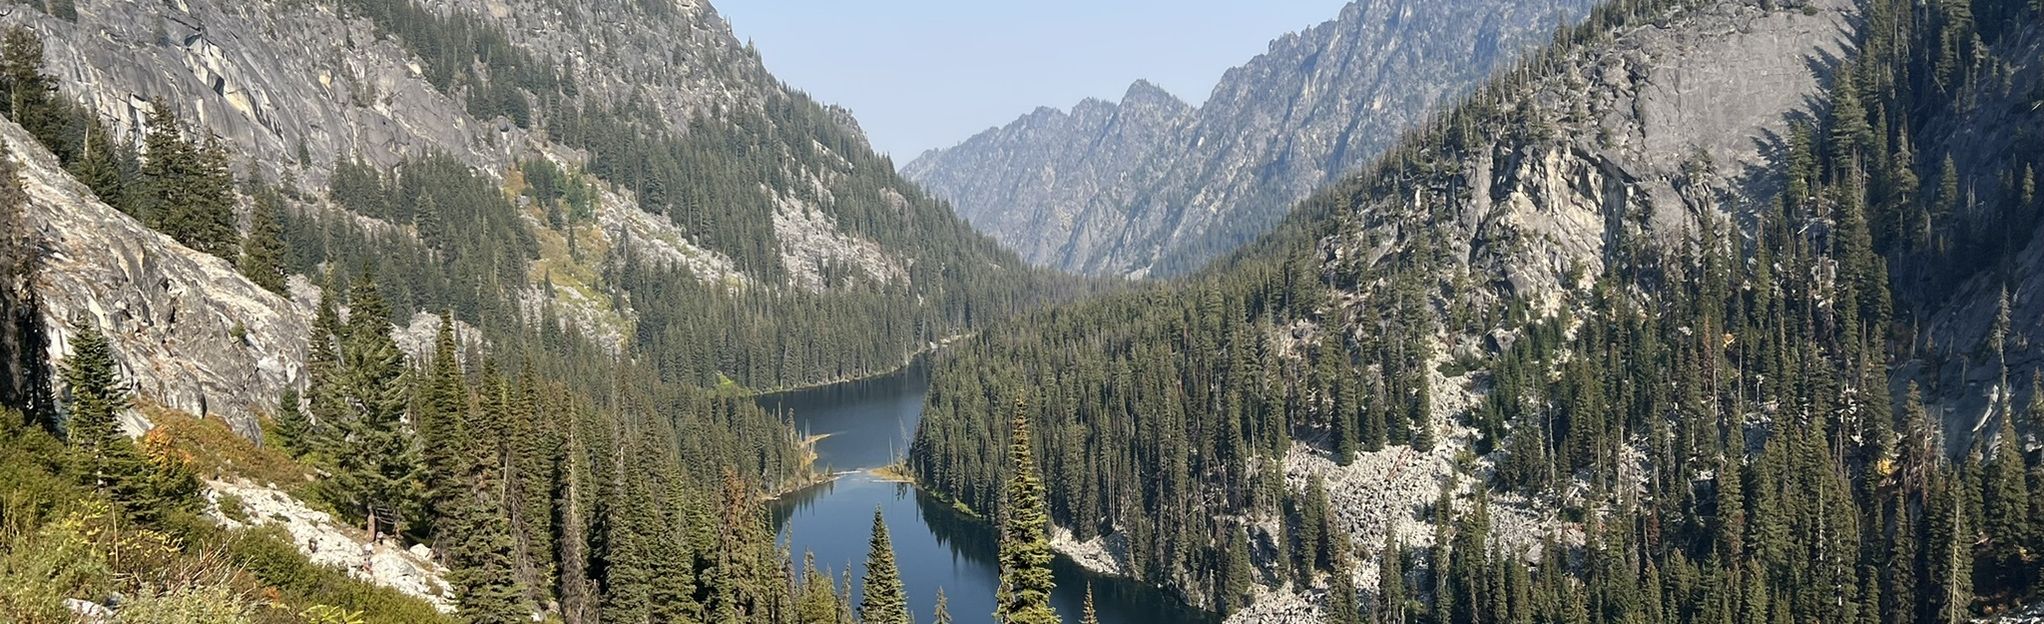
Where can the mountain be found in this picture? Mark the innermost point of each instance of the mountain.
(1708, 310)
(1149, 185)
(665, 185)
(396, 311)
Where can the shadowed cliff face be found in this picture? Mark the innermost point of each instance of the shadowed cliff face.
(1149, 186)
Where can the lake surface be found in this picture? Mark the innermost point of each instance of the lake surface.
(869, 423)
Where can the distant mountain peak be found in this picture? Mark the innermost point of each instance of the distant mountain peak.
(1154, 185)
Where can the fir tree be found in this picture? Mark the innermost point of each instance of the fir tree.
(1342, 604)
(883, 601)
(441, 419)
(379, 472)
(189, 189)
(106, 456)
(1025, 555)
(23, 383)
(817, 603)
(2006, 500)
(28, 90)
(943, 614)
(1086, 613)
(483, 562)
(1391, 581)
(262, 251)
(1422, 415)
(293, 430)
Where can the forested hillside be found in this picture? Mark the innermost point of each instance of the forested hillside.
(1638, 332)
(467, 300)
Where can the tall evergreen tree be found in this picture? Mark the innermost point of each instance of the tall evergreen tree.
(106, 456)
(293, 430)
(817, 602)
(262, 251)
(379, 470)
(1391, 581)
(1025, 555)
(1086, 613)
(884, 601)
(1342, 602)
(23, 383)
(2007, 523)
(943, 614)
(30, 93)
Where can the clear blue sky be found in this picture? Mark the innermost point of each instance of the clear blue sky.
(929, 73)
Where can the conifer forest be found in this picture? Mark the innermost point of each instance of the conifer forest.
(368, 311)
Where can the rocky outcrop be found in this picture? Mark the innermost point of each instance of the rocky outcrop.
(1670, 122)
(239, 504)
(1996, 135)
(295, 88)
(1646, 131)
(1149, 186)
(189, 331)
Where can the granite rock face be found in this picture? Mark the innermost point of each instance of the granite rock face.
(1150, 186)
(1649, 130)
(294, 88)
(189, 331)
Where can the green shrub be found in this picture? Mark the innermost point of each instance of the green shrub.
(212, 604)
(231, 507)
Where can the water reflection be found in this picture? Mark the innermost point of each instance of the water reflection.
(868, 424)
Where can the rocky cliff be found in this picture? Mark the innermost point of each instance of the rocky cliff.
(1146, 186)
(191, 333)
(296, 89)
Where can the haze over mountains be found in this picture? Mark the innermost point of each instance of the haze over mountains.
(1687, 311)
(1151, 185)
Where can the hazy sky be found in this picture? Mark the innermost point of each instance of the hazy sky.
(929, 73)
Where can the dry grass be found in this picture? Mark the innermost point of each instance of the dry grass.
(216, 452)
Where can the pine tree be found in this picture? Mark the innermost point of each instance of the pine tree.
(1422, 415)
(379, 472)
(1391, 581)
(105, 455)
(1025, 555)
(1952, 555)
(1238, 574)
(293, 430)
(483, 562)
(30, 93)
(441, 421)
(2006, 499)
(1086, 614)
(207, 222)
(943, 615)
(325, 406)
(23, 373)
(1342, 607)
(262, 251)
(817, 603)
(168, 161)
(883, 601)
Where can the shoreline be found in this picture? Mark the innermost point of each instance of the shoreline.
(906, 361)
(811, 477)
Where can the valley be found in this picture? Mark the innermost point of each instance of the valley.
(1462, 312)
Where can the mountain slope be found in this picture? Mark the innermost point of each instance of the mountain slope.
(697, 187)
(1616, 334)
(273, 210)
(1145, 186)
